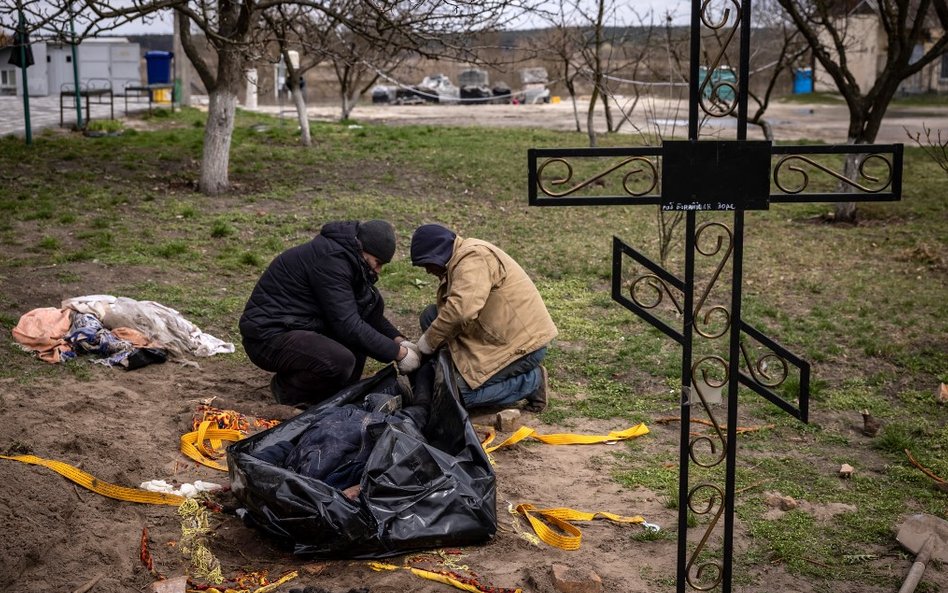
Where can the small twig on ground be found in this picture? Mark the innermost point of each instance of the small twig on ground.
(740, 429)
(79, 496)
(752, 486)
(817, 563)
(926, 471)
(89, 585)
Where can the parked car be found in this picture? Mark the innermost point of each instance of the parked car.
(534, 82)
(438, 88)
(383, 94)
(474, 86)
(501, 92)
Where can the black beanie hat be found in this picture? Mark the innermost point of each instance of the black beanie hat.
(377, 238)
(432, 244)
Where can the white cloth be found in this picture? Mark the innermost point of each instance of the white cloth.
(185, 490)
(159, 323)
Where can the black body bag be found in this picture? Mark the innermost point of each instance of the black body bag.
(419, 490)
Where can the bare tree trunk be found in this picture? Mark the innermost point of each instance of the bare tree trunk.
(627, 113)
(305, 138)
(766, 128)
(572, 96)
(590, 117)
(222, 87)
(348, 104)
(846, 211)
(667, 222)
(604, 96)
(217, 135)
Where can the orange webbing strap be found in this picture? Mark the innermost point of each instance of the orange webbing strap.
(566, 439)
(569, 536)
(193, 444)
(98, 486)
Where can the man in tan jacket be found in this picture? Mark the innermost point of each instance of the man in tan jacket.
(490, 316)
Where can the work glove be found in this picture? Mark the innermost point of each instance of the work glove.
(423, 346)
(410, 362)
(410, 345)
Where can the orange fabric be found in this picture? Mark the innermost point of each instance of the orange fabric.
(42, 331)
(135, 337)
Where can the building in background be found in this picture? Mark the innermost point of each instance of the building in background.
(105, 62)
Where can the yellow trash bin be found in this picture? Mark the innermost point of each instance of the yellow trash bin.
(161, 95)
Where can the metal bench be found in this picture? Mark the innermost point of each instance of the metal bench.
(149, 91)
(98, 90)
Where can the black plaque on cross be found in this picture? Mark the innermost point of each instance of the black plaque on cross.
(695, 176)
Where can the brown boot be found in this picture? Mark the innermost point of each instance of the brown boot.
(536, 402)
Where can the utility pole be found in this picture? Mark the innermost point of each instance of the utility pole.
(21, 25)
(182, 78)
(75, 70)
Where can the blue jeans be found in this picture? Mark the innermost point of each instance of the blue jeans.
(514, 382)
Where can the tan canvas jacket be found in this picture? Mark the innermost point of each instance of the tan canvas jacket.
(489, 311)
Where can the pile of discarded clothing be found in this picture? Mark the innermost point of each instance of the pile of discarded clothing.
(366, 474)
(118, 331)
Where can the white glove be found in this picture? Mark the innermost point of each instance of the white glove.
(410, 345)
(423, 346)
(409, 363)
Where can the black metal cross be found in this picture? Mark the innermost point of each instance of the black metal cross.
(712, 175)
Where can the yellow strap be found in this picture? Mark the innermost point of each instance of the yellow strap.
(430, 575)
(264, 589)
(193, 444)
(566, 439)
(277, 583)
(569, 536)
(98, 486)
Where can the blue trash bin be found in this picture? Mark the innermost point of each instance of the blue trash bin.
(802, 81)
(158, 66)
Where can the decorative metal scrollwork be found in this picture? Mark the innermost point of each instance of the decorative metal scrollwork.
(713, 251)
(760, 370)
(658, 287)
(649, 169)
(715, 499)
(721, 438)
(883, 183)
(722, 103)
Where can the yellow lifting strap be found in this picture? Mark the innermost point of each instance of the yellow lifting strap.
(570, 537)
(430, 575)
(98, 486)
(566, 439)
(195, 444)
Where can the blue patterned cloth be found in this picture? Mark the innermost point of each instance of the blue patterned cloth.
(88, 336)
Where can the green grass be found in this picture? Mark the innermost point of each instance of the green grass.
(864, 305)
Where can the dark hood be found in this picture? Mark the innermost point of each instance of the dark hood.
(432, 244)
(344, 232)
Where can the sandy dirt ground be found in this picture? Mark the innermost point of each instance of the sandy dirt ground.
(124, 427)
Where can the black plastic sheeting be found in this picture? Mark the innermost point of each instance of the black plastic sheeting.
(416, 494)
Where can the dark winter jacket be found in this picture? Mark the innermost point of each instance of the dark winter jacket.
(323, 286)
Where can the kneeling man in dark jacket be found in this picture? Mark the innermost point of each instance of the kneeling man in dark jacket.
(315, 314)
